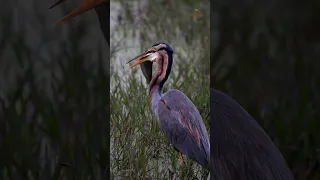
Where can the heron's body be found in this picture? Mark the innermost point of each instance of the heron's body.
(179, 119)
(243, 151)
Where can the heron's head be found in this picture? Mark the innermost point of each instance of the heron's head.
(153, 54)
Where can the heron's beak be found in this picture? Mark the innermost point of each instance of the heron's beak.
(140, 59)
(84, 6)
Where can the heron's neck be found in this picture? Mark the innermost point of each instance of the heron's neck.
(159, 78)
(155, 96)
(155, 90)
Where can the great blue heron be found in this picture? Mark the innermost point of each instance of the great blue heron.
(102, 8)
(242, 150)
(179, 119)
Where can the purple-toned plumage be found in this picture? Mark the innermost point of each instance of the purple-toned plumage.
(179, 119)
(182, 124)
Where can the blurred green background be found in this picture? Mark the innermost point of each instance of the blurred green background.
(138, 148)
(54, 93)
(265, 54)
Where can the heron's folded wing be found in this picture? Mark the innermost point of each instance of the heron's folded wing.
(182, 124)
